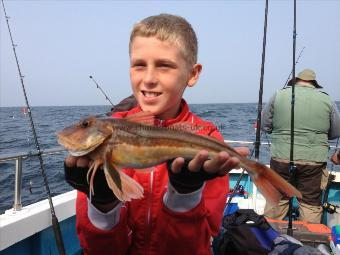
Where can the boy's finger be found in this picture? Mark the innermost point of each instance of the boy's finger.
(231, 163)
(177, 165)
(244, 151)
(70, 161)
(214, 165)
(197, 162)
(83, 162)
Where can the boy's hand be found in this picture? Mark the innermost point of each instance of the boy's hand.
(72, 161)
(189, 176)
(76, 169)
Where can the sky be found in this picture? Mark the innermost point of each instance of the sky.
(61, 43)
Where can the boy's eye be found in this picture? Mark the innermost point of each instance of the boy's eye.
(138, 65)
(165, 65)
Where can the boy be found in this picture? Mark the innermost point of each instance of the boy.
(183, 201)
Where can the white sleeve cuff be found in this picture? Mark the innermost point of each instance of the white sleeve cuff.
(181, 202)
(103, 221)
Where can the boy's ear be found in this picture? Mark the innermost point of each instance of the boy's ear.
(194, 75)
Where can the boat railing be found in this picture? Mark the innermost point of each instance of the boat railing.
(18, 158)
(245, 142)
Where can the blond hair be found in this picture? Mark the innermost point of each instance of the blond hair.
(171, 28)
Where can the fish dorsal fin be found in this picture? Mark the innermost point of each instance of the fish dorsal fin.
(146, 118)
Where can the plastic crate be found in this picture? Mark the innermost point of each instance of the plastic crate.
(336, 234)
(307, 233)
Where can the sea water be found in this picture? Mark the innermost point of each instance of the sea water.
(234, 121)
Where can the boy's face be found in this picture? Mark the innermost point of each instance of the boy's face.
(159, 75)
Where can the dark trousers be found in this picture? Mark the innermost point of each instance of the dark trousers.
(307, 179)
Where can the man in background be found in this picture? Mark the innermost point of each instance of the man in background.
(316, 121)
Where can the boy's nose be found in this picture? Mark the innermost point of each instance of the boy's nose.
(150, 77)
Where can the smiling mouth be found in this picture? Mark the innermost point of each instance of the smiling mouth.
(150, 94)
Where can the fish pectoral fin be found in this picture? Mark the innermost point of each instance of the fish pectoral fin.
(123, 186)
(91, 173)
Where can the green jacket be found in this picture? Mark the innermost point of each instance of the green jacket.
(316, 120)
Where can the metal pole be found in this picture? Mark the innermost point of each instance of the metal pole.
(17, 191)
(55, 222)
(101, 90)
(291, 156)
(297, 61)
(259, 106)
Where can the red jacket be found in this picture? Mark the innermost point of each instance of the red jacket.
(147, 226)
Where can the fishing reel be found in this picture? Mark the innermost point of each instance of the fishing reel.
(330, 208)
(239, 190)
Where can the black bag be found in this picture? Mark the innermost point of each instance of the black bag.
(239, 237)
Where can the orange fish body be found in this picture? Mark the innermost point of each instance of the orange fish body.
(121, 143)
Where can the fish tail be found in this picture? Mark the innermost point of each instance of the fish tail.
(123, 186)
(270, 183)
(271, 194)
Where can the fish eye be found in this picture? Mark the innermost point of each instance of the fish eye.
(85, 123)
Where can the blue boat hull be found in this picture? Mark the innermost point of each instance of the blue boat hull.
(43, 242)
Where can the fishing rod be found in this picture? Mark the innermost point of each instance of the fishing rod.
(237, 185)
(292, 167)
(55, 222)
(259, 105)
(297, 61)
(98, 87)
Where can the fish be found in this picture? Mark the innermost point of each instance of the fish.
(134, 142)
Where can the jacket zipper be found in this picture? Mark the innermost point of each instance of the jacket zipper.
(148, 222)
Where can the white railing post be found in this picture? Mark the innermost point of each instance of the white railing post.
(17, 190)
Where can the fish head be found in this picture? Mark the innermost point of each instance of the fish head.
(85, 136)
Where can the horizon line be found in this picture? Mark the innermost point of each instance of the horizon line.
(24, 106)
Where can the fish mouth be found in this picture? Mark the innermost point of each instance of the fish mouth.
(77, 150)
(80, 153)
